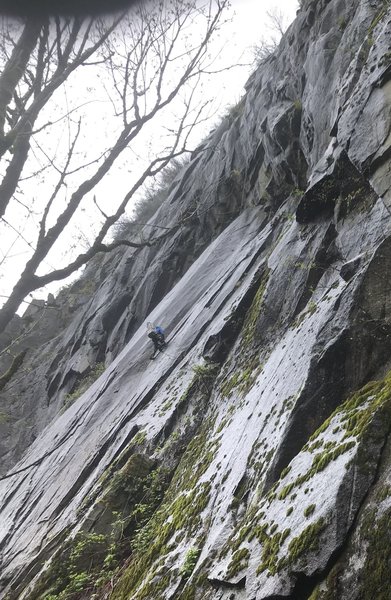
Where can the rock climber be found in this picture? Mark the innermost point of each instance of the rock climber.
(156, 333)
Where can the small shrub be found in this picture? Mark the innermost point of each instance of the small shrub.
(297, 192)
(190, 562)
(205, 373)
(263, 49)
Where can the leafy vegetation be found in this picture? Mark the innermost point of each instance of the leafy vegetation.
(190, 562)
(79, 566)
(89, 560)
(204, 375)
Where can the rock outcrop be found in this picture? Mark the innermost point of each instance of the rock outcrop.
(251, 459)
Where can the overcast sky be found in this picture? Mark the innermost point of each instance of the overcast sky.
(248, 26)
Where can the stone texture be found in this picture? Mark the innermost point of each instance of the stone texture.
(275, 297)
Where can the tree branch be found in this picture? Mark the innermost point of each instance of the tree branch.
(16, 67)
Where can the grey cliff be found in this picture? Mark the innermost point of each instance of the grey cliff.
(251, 460)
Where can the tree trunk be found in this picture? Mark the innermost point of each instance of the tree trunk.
(20, 291)
(14, 169)
(15, 68)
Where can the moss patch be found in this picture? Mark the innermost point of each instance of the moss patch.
(248, 367)
(238, 562)
(364, 417)
(376, 580)
(152, 544)
(355, 416)
(253, 314)
(307, 541)
(357, 412)
(178, 519)
(243, 379)
(270, 552)
(309, 510)
(197, 584)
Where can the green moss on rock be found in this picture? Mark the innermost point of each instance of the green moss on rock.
(196, 585)
(383, 493)
(374, 582)
(127, 483)
(286, 490)
(153, 542)
(357, 422)
(253, 314)
(270, 553)
(357, 412)
(239, 561)
(376, 578)
(243, 379)
(307, 541)
(309, 510)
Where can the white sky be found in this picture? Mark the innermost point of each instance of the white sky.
(248, 26)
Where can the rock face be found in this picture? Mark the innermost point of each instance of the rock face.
(251, 459)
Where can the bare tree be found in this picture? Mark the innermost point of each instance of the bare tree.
(42, 59)
(150, 60)
(276, 23)
(277, 20)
